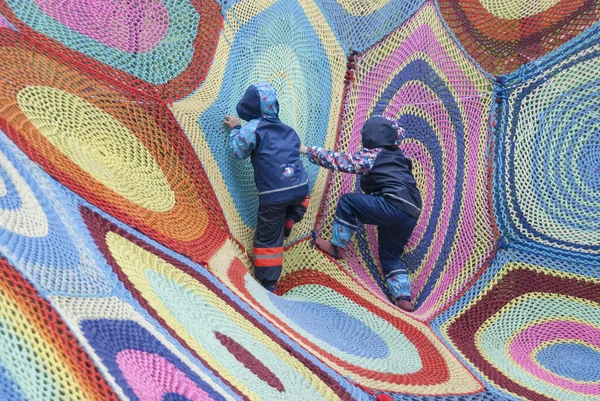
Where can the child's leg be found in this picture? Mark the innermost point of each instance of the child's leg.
(294, 214)
(268, 244)
(344, 225)
(352, 209)
(391, 240)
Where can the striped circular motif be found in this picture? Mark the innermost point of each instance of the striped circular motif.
(232, 343)
(141, 361)
(84, 133)
(393, 353)
(113, 22)
(362, 339)
(132, 362)
(40, 229)
(571, 359)
(562, 319)
(39, 354)
(503, 35)
(143, 367)
(522, 329)
(163, 49)
(359, 24)
(549, 173)
(105, 159)
(331, 326)
(533, 333)
(441, 100)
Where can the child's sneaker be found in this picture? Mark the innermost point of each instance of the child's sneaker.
(399, 286)
(270, 288)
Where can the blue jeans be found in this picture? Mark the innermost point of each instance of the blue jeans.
(394, 227)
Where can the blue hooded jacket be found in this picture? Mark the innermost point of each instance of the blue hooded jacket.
(273, 147)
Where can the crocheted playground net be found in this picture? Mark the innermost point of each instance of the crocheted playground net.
(126, 225)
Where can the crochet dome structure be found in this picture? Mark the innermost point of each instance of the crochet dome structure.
(126, 224)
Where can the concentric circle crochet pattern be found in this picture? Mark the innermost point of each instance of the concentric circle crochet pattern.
(126, 224)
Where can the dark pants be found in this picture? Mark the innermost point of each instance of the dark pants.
(268, 239)
(394, 228)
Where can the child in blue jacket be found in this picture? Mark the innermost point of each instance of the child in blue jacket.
(390, 200)
(282, 183)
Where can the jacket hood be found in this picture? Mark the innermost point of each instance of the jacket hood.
(260, 100)
(380, 132)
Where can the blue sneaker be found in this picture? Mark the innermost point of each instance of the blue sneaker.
(399, 286)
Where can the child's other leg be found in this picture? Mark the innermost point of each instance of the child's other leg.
(294, 214)
(352, 209)
(268, 244)
(346, 220)
(344, 225)
(391, 240)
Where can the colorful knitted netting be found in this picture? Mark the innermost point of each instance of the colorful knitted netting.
(126, 224)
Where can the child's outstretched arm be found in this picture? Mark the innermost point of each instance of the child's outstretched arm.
(360, 162)
(241, 138)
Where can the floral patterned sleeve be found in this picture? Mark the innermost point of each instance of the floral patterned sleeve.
(242, 139)
(360, 162)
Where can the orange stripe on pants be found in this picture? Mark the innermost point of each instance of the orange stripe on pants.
(268, 251)
(268, 262)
